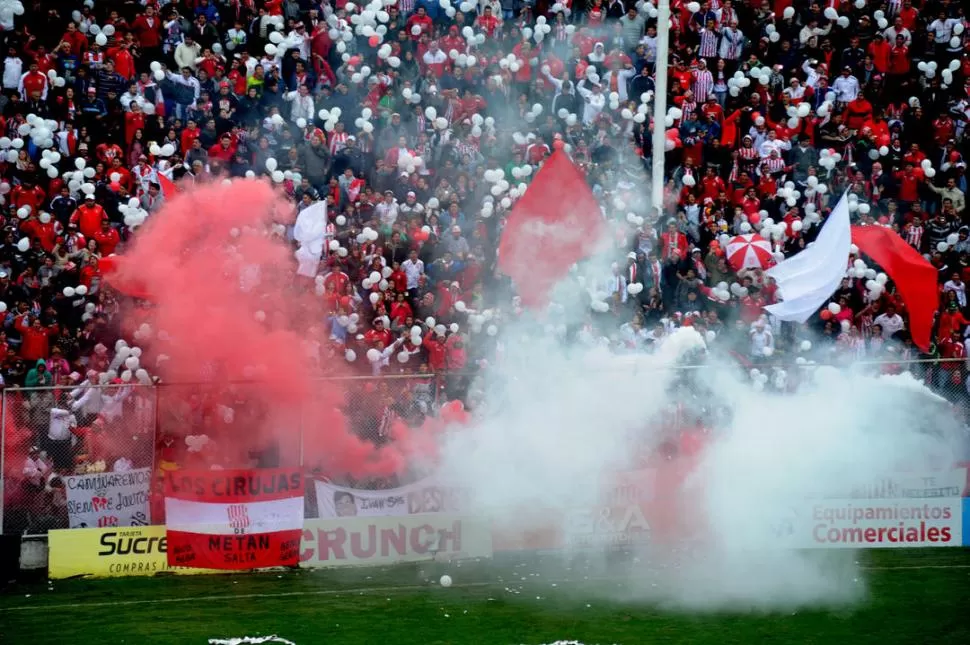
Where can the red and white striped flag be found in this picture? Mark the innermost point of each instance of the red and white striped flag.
(234, 519)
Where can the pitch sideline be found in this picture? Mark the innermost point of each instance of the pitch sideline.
(358, 590)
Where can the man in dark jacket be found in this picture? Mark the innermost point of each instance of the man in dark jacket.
(316, 161)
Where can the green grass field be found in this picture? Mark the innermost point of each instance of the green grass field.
(914, 597)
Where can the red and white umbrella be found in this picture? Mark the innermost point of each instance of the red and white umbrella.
(749, 251)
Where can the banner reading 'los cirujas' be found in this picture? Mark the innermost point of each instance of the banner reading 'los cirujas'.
(234, 519)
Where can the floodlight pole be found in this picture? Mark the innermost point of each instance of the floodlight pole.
(660, 105)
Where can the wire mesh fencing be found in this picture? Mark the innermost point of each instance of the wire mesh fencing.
(58, 445)
(94, 455)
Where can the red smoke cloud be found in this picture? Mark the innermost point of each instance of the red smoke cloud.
(228, 308)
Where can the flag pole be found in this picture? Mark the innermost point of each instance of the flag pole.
(660, 105)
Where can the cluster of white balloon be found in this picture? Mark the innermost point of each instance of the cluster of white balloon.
(40, 132)
(503, 190)
(9, 9)
(542, 29)
(640, 116)
(278, 176)
(778, 376)
(130, 358)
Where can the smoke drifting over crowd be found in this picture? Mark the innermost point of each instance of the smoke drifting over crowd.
(226, 308)
(553, 423)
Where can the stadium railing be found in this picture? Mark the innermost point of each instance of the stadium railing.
(52, 433)
(55, 432)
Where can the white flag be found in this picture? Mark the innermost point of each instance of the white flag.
(808, 279)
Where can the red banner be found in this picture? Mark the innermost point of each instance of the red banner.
(234, 519)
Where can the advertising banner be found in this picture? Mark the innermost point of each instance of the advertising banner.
(108, 499)
(356, 541)
(629, 512)
(914, 509)
(425, 496)
(143, 551)
(111, 552)
(853, 524)
(234, 519)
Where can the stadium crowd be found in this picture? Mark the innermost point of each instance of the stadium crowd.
(421, 122)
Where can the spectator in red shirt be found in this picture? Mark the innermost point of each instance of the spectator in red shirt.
(77, 41)
(422, 21)
(107, 238)
(88, 217)
(378, 334)
(224, 150)
(36, 337)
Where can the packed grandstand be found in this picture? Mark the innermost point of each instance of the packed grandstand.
(420, 125)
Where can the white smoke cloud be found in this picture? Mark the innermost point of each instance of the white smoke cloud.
(559, 421)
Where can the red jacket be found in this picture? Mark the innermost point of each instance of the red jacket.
(37, 230)
(909, 185)
(400, 311)
(34, 197)
(223, 154)
(88, 219)
(148, 31)
(373, 336)
(880, 52)
(899, 60)
(425, 23)
(124, 62)
(436, 352)
(34, 82)
(35, 343)
(76, 40)
(679, 241)
(107, 240)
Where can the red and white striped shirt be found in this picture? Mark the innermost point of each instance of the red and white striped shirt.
(688, 107)
(775, 164)
(338, 141)
(703, 84)
(732, 40)
(914, 236)
(708, 48)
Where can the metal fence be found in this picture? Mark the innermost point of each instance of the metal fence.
(53, 437)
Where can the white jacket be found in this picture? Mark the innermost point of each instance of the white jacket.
(61, 424)
(13, 69)
(301, 107)
(185, 55)
(87, 399)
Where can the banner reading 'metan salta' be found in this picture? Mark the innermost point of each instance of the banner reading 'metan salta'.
(234, 519)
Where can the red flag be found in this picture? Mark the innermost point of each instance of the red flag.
(169, 189)
(915, 278)
(234, 519)
(554, 225)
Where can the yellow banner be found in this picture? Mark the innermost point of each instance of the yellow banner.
(346, 541)
(111, 552)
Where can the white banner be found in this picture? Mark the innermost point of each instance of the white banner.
(425, 496)
(913, 485)
(910, 509)
(355, 541)
(109, 499)
(284, 514)
(848, 524)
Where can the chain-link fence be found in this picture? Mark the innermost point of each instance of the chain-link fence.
(93, 455)
(56, 438)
